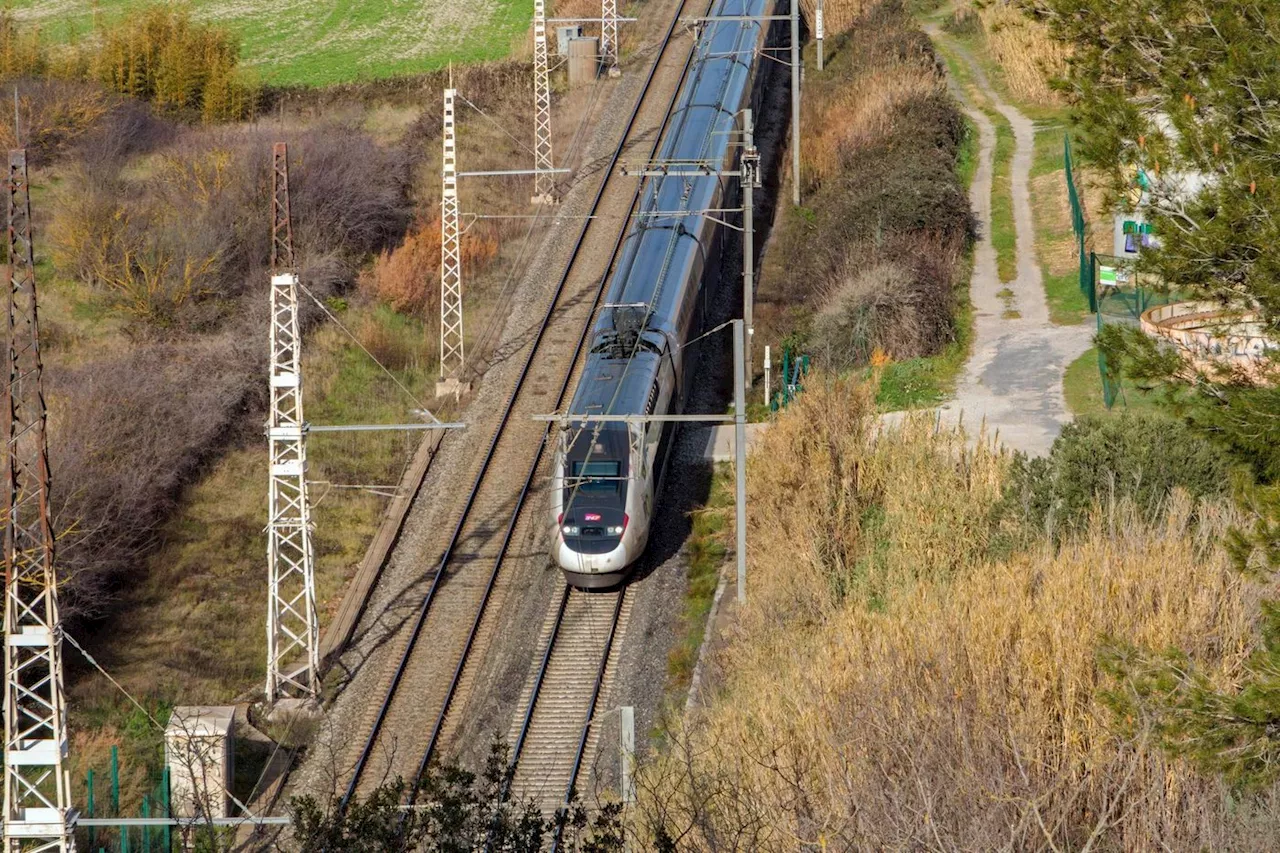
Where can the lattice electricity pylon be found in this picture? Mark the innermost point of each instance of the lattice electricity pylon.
(609, 36)
(542, 179)
(451, 345)
(293, 634)
(37, 791)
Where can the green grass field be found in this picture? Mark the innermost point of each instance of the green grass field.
(318, 42)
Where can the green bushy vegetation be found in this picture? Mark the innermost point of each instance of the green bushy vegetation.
(869, 266)
(153, 53)
(1132, 457)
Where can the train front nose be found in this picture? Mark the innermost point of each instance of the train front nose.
(591, 540)
(593, 531)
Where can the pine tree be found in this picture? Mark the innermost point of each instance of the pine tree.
(1187, 93)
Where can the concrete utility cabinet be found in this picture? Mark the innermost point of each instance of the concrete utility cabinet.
(198, 747)
(584, 60)
(564, 35)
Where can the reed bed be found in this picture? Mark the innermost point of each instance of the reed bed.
(894, 682)
(1021, 45)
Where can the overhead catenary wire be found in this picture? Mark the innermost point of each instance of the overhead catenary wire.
(492, 121)
(597, 427)
(629, 360)
(334, 318)
(517, 269)
(100, 668)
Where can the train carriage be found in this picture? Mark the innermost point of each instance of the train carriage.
(607, 474)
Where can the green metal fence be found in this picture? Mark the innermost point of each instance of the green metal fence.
(1078, 225)
(1121, 295)
(144, 839)
(795, 366)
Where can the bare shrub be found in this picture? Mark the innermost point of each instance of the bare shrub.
(347, 191)
(125, 435)
(892, 683)
(179, 247)
(880, 183)
(408, 277)
(130, 128)
(184, 246)
(884, 308)
(54, 115)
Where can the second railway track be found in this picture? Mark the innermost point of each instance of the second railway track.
(428, 677)
(556, 735)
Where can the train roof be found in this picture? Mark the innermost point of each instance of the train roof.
(615, 386)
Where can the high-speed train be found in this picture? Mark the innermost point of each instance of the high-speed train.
(607, 473)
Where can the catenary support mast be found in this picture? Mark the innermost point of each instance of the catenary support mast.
(543, 188)
(796, 68)
(37, 811)
(293, 635)
(609, 36)
(452, 358)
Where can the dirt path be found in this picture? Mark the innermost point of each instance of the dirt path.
(1013, 379)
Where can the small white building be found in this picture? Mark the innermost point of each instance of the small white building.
(198, 748)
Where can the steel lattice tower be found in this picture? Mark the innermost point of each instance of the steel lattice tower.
(451, 344)
(293, 635)
(542, 179)
(609, 36)
(37, 790)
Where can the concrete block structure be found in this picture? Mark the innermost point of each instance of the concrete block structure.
(198, 748)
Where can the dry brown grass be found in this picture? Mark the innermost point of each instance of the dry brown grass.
(1053, 215)
(837, 15)
(860, 116)
(893, 685)
(1022, 47)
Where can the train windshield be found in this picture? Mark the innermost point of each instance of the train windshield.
(597, 477)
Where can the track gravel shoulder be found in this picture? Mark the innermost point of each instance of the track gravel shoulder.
(363, 669)
(408, 573)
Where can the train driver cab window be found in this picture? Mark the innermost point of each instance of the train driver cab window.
(597, 477)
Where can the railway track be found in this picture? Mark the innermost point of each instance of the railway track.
(427, 679)
(554, 739)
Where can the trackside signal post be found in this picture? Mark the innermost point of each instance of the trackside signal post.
(817, 31)
(37, 791)
(795, 102)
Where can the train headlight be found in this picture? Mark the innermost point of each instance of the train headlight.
(570, 530)
(615, 531)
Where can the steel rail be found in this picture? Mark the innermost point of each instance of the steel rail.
(420, 621)
(561, 813)
(540, 678)
(518, 509)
